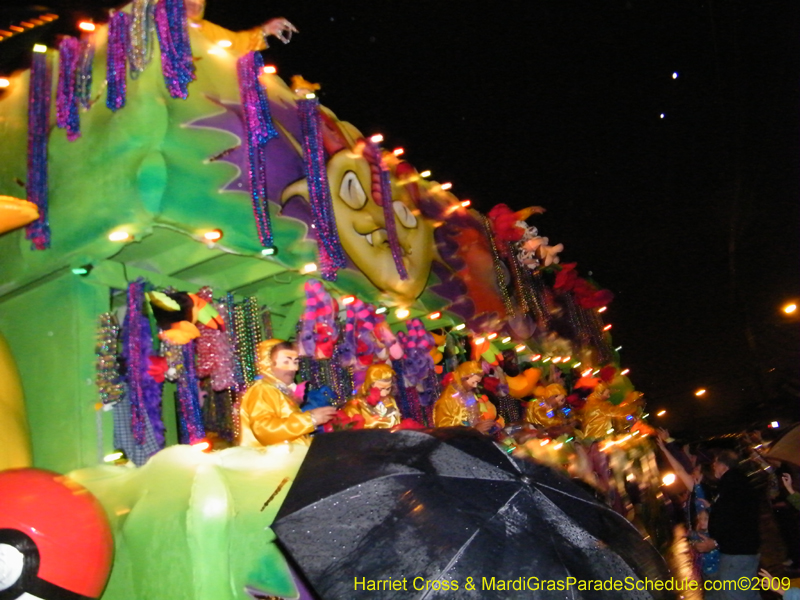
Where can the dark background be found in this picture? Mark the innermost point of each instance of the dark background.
(691, 220)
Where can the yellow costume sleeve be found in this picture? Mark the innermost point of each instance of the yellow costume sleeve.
(242, 42)
(448, 411)
(270, 417)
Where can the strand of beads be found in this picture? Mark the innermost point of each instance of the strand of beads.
(133, 345)
(83, 74)
(109, 385)
(38, 232)
(497, 264)
(140, 39)
(177, 64)
(538, 296)
(116, 61)
(66, 104)
(331, 254)
(260, 130)
(189, 414)
(402, 397)
(382, 194)
(227, 305)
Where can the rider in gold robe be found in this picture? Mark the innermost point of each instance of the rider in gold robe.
(374, 399)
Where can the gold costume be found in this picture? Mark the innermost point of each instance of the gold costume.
(384, 414)
(539, 411)
(598, 413)
(458, 406)
(242, 42)
(269, 413)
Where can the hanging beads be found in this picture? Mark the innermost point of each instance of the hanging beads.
(108, 382)
(497, 263)
(116, 60)
(38, 232)
(142, 26)
(177, 64)
(319, 194)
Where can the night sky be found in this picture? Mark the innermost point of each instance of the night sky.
(691, 219)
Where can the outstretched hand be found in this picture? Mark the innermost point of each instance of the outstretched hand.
(786, 480)
(322, 414)
(280, 28)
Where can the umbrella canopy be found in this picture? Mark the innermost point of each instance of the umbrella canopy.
(410, 514)
(787, 447)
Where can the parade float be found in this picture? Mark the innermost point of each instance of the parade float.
(184, 203)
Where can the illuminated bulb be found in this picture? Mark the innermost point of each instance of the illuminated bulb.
(556, 360)
(668, 479)
(202, 445)
(602, 309)
(269, 69)
(39, 48)
(309, 268)
(398, 151)
(435, 315)
(548, 359)
(544, 442)
(774, 425)
(505, 340)
(586, 373)
(446, 186)
(425, 174)
(624, 371)
(790, 308)
(466, 203)
(609, 431)
(558, 446)
(213, 236)
(576, 365)
(376, 139)
(114, 456)
(4, 83)
(491, 336)
(216, 51)
(224, 43)
(521, 348)
(268, 251)
(311, 96)
(380, 310)
(661, 413)
(662, 115)
(86, 26)
(349, 300)
(118, 236)
(459, 327)
(700, 392)
(566, 358)
(402, 313)
(607, 327)
(480, 340)
(536, 357)
(618, 348)
(674, 75)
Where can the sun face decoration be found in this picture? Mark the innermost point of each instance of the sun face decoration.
(362, 227)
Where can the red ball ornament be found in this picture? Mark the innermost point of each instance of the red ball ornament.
(55, 540)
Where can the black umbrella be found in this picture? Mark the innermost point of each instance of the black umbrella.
(380, 514)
